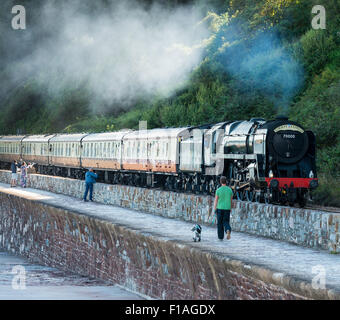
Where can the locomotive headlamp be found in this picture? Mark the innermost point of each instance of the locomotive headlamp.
(271, 174)
(313, 184)
(274, 184)
(311, 174)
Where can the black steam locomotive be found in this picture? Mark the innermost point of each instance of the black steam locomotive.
(269, 161)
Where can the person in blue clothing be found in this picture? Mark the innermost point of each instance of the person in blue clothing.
(90, 180)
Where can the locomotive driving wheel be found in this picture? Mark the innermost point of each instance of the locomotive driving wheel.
(250, 195)
(211, 187)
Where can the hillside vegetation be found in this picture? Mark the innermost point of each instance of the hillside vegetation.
(262, 58)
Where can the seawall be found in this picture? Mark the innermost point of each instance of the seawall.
(121, 246)
(305, 227)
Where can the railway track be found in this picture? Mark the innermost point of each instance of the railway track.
(321, 208)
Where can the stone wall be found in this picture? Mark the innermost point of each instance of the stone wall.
(148, 264)
(311, 228)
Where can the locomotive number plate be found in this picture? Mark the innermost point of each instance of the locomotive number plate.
(289, 136)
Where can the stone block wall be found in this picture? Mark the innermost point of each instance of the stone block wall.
(306, 227)
(156, 267)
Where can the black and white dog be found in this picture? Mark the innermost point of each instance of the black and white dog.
(197, 229)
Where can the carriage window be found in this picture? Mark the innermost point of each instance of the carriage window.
(114, 149)
(158, 149)
(138, 148)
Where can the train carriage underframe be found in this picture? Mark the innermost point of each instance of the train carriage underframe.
(238, 178)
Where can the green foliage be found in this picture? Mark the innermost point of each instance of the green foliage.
(328, 192)
(316, 46)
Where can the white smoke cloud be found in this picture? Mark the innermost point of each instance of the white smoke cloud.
(120, 54)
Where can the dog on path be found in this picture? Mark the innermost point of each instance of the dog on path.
(197, 229)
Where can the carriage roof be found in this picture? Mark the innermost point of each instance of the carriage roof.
(77, 137)
(38, 138)
(11, 138)
(106, 136)
(155, 133)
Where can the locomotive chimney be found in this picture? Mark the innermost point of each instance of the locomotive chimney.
(282, 118)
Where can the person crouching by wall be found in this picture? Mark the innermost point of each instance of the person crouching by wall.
(90, 180)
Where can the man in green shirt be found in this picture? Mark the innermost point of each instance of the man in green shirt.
(223, 204)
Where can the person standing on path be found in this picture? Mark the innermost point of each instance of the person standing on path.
(90, 180)
(14, 178)
(222, 207)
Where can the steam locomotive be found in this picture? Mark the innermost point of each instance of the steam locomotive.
(266, 161)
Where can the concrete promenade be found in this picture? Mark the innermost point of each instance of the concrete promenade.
(308, 273)
(311, 228)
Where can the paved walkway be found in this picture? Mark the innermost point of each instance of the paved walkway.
(292, 260)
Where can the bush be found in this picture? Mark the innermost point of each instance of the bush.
(316, 46)
(328, 192)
